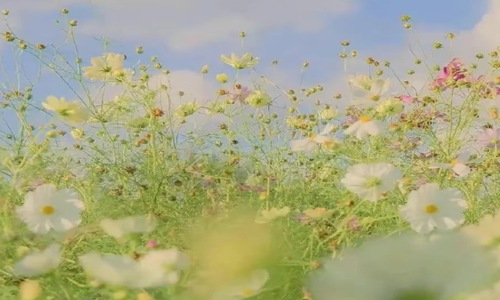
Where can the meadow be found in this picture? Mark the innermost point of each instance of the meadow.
(393, 196)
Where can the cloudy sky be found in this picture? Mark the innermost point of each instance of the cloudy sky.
(188, 34)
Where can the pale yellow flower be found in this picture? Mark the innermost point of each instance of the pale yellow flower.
(268, 215)
(222, 78)
(318, 213)
(258, 99)
(487, 231)
(246, 61)
(105, 67)
(29, 290)
(68, 111)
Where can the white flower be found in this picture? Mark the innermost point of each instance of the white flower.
(268, 215)
(155, 269)
(106, 67)
(366, 91)
(371, 181)
(68, 111)
(246, 61)
(405, 267)
(133, 224)
(245, 288)
(487, 231)
(313, 142)
(46, 208)
(430, 207)
(39, 263)
(458, 165)
(364, 127)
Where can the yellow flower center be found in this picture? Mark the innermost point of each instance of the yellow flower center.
(364, 119)
(48, 210)
(373, 182)
(431, 209)
(454, 162)
(493, 113)
(375, 97)
(247, 292)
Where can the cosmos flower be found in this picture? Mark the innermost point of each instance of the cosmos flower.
(72, 112)
(239, 63)
(39, 263)
(371, 181)
(430, 207)
(313, 142)
(46, 209)
(364, 127)
(368, 92)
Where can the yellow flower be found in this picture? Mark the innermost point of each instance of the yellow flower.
(318, 213)
(68, 111)
(105, 67)
(258, 99)
(246, 61)
(29, 290)
(222, 78)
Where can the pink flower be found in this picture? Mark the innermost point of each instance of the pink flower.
(406, 99)
(451, 73)
(152, 244)
(239, 93)
(489, 138)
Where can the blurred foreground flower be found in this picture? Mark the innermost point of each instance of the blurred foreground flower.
(371, 181)
(243, 288)
(246, 61)
(68, 111)
(406, 267)
(267, 215)
(430, 207)
(46, 208)
(39, 263)
(122, 227)
(258, 99)
(29, 290)
(157, 268)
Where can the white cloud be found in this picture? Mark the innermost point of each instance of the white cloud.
(188, 24)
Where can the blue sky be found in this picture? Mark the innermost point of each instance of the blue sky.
(188, 34)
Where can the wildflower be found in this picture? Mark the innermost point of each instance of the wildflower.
(364, 127)
(222, 78)
(133, 224)
(68, 111)
(406, 99)
(389, 107)
(258, 99)
(29, 290)
(204, 69)
(318, 213)
(489, 138)
(328, 113)
(458, 165)
(186, 109)
(39, 263)
(77, 133)
(449, 75)
(105, 67)
(311, 143)
(246, 61)
(371, 181)
(487, 231)
(46, 208)
(157, 268)
(366, 91)
(239, 93)
(244, 288)
(268, 215)
(430, 207)
(405, 267)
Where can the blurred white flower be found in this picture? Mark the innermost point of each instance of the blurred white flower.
(405, 267)
(246, 61)
(371, 181)
(133, 224)
(364, 127)
(267, 215)
(313, 142)
(39, 263)
(430, 207)
(46, 208)
(458, 165)
(487, 231)
(72, 112)
(106, 67)
(245, 288)
(367, 92)
(157, 268)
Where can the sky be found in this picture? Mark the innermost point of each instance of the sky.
(189, 34)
